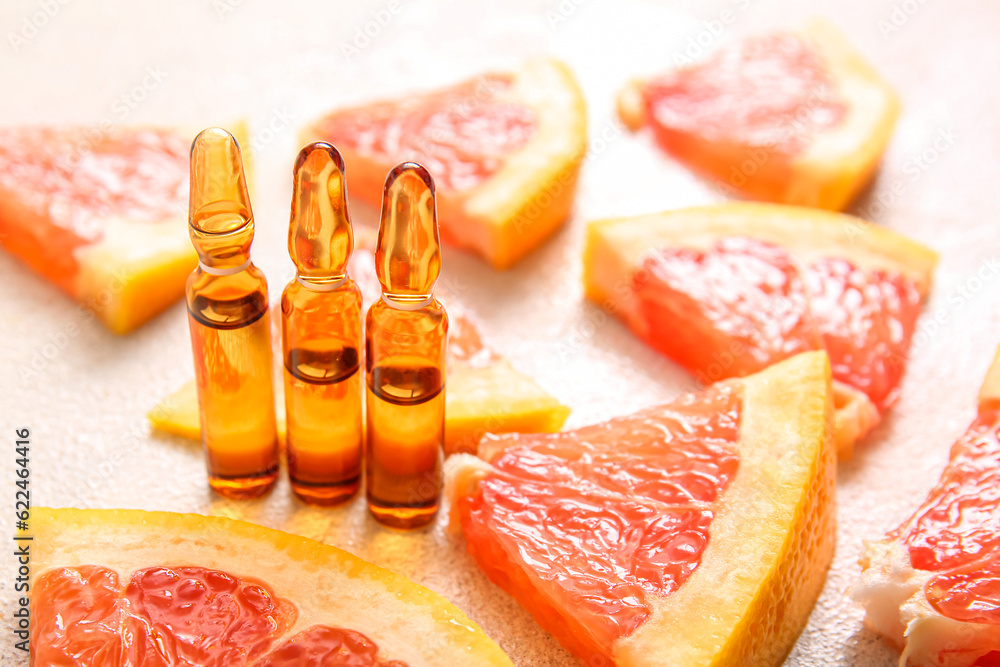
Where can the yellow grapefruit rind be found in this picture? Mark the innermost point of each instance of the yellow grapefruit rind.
(178, 413)
(512, 212)
(989, 393)
(854, 416)
(135, 272)
(494, 398)
(770, 543)
(772, 538)
(615, 249)
(327, 585)
(137, 269)
(839, 163)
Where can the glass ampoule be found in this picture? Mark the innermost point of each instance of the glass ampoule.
(406, 333)
(230, 330)
(321, 335)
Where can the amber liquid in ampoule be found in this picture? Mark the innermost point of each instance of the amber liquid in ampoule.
(230, 329)
(323, 394)
(321, 335)
(236, 395)
(406, 413)
(405, 345)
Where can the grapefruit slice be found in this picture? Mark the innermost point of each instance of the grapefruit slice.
(790, 117)
(694, 533)
(505, 150)
(485, 393)
(100, 213)
(932, 585)
(727, 290)
(122, 588)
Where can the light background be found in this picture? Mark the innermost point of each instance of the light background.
(279, 64)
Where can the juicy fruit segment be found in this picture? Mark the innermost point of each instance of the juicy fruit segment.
(100, 214)
(204, 616)
(462, 134)
(789, 117)
(607, 515)
(77, 617)
(783, 89)
(741, 294)
(321, 646)
(187, 615)
(726, 290)
(302, 603)
(748, 297)
(955, 533)
(504, 148)
(932, 585)
(622, 538)
(970, 594)
(867, 319)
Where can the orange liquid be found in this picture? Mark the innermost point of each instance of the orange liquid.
(405, 442)
(321, 340)
(325, 431)
(406, 339)
(231, 340)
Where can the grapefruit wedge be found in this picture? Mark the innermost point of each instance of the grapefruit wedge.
(790, 117)
(727, 290)
(101, 213)
(485, 393)
(126, 588)
(505, 150)
(694, 533)
(932, 586)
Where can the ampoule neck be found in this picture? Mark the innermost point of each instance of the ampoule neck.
(225, 268)
(321, 283)
(408, 302)
(223, 253)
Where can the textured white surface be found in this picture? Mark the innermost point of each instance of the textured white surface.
(278, 64)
